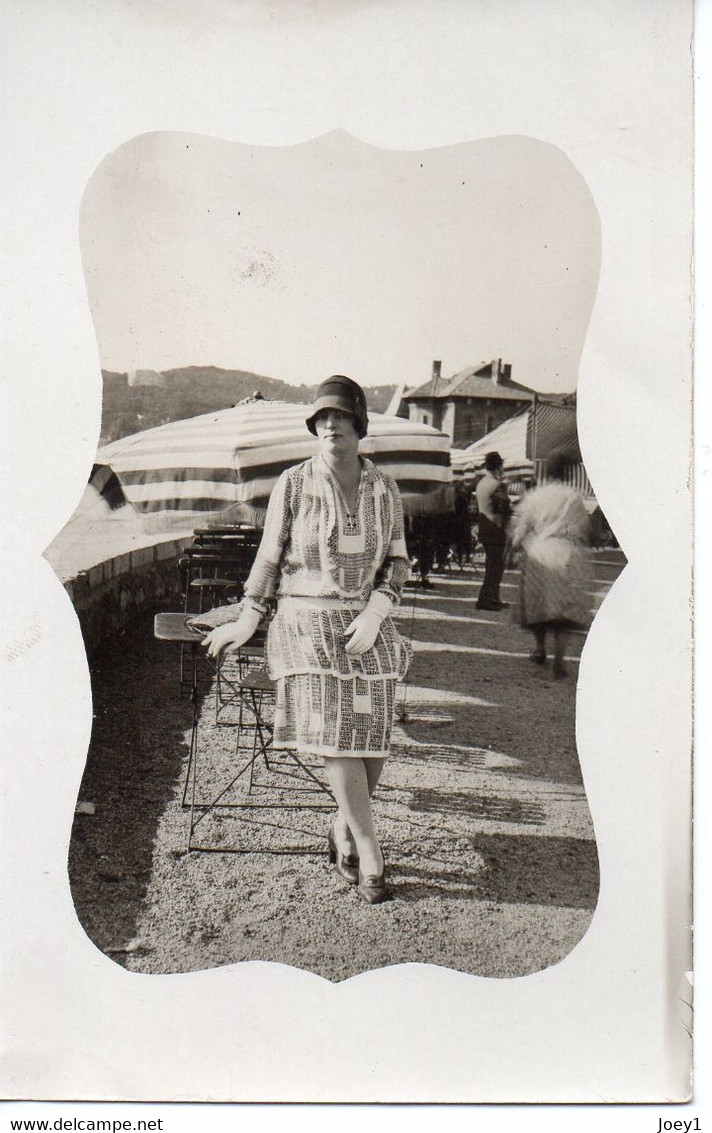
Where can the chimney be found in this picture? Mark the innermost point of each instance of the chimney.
(435, 381)
(507, 372)
(496, 370)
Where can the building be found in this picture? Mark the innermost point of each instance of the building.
(146, 378)
(526, 440)
(470, 404)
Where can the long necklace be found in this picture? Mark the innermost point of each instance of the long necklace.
(350, 521)
(350, 517)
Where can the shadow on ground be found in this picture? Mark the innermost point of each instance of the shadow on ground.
(138, 745)
(491, 855)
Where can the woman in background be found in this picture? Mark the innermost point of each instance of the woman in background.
(333, 558)
(552, 531)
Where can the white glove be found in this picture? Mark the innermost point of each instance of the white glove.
(363, 630)
(231, 636)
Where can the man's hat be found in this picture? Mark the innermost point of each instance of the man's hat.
(339, 392)
(492, 461)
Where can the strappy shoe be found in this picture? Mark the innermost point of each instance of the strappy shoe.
(346, 865)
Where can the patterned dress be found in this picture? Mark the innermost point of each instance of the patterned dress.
(321, 563)
(552, 530)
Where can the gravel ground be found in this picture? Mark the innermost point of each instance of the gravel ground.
(485, 825)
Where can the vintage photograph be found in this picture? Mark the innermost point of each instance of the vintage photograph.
(338, 557)
(347, 559)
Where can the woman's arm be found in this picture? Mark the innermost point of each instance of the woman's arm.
(263, 579)
(579, 521)
(388, 581)
(522, 522)
(394, 571)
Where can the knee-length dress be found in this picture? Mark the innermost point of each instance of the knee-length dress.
(317, 565)
(552, 530)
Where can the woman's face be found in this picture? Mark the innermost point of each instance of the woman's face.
(337, 431)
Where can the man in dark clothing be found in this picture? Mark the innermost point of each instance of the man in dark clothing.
(494, 512)
(461, 528)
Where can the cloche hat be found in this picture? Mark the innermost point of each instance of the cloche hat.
(340, 392)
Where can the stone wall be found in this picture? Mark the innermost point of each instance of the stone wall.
(110, 596)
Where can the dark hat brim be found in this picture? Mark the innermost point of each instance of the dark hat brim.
(334, 401)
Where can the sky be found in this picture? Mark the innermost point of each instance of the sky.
(334, 256)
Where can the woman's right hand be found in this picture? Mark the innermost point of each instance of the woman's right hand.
(233, 635)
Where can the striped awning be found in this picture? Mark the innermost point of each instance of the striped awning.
(552, 426)
(220, 461)
(509, 439)
(574, 475)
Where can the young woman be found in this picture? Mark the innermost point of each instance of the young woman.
(334, 560)
(553, 531)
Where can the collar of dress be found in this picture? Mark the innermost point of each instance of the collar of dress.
(368, 468)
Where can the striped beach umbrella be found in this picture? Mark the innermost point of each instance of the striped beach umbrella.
(224, 464)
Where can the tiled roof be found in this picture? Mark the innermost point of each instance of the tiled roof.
(472, 383)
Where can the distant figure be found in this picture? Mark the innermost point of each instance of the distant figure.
(443, 535)
(462, 531)
(601, 534)
(256, 395)
(421, 547)
(494, 513)
(448, 534)
(553, 531)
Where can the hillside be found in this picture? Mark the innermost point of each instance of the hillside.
(193, 390)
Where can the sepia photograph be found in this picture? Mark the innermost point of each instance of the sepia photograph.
(346, 594)
(334, 594)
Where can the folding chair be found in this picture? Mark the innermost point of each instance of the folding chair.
(214, 569)
(274, 798)
(228, 672)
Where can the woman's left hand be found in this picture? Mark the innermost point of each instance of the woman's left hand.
(233, 635)
(363, 631)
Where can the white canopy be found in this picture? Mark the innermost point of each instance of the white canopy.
(509, 439)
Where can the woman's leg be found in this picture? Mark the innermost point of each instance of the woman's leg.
(374, 767)
(350, 783)
(342, 831)
(560, 639)
(539, 654)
